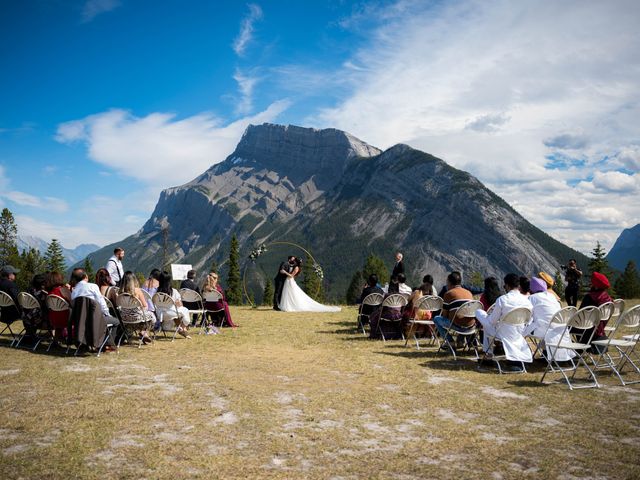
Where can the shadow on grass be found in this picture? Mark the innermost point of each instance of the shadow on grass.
(528, 383)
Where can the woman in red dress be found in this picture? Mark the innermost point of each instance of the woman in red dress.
(58, 320)
(211, 284)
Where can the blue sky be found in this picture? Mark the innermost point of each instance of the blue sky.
(106, 102)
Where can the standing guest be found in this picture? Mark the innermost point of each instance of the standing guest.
(130, 285)
(114, 266)
(189, 282)
(595, 297)
(548, 279)
(525, 286)
(169, 314)
(491, 292)
(59, 321)
(515, 346)
(455, 296)
(398, 267)
(8, 285)
(572, 275)
(211, 284)
(83, 288)
(105, 284)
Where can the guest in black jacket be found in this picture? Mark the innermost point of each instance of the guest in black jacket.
(8, 285)
(189, 282)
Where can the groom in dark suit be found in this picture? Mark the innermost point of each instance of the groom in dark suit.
(278, 282)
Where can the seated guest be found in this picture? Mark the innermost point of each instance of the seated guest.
(151, 287)
(595, 297)
(211, 284)
(410, 311)
(515, 346)
(427, 287)
(550, 283)
(105, 284)
(525, 286)
(58, 321)
(130, 285)
(393, 286)
(37, 317)
(454, 297)
(189, 282)
(390, 329)
(491, 292)
(169, 316)
(403, 288)
(8, 285)
(545, 306)
(83, 288)
(370, 287)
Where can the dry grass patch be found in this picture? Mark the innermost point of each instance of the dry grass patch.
(302, 396)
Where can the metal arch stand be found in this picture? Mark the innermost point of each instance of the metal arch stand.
(246, 266)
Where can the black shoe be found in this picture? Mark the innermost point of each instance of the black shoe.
(513, 367)
(277, 309)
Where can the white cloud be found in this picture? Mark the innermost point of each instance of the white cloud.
(52, 204)
(69, 235)
(93, 8)
(495, 87)
(246, 85)
(159, 149)
(246, 29)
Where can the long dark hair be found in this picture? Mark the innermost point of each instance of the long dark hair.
(491, 290)
(165, 283)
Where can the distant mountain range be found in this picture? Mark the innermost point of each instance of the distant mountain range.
(342, 199)
(627, 247)
(71, 256)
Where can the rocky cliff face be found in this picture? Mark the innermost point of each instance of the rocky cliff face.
(627, 247)
(343, 199)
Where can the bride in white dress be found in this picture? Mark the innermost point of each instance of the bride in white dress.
(295, 300)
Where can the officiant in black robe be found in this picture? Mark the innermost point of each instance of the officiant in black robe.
(278, 282)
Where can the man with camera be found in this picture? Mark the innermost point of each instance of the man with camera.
(572, 276)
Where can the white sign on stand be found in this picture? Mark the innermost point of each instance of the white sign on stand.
(179, 271)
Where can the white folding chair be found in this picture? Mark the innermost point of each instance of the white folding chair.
(59, 304)
(430, 303)
(515, 319)
(193, 297)
(210, 313)
(623, 348)
(372, 300)
(559, 319)
(31, 306)
(582, 321)
(468, 337)
(393, 301)
(7, 302)
(618, 308)
(133, 317)
(164, 303)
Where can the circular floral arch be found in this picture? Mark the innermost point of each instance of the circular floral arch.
(263, 249)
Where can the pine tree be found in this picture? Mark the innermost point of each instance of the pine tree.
(598, 262)
(88, 268)
(234, 287)
(214, 266)
(355, 288)
(374, 264)
(628, 284)
(9, 254)
(476, 280)
(31, 263)
(267, 296)
(558, 285)
(53, 257)
(311, 283)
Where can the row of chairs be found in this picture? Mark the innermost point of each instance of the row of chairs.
(614, 353)
(128, 309)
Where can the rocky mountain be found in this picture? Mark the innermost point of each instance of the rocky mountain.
(71, 256)
(627, 247)
(342, 199)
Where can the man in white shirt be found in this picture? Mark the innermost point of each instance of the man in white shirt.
(515, 346)
(114, 266)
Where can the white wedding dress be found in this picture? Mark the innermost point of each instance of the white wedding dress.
(295, 300)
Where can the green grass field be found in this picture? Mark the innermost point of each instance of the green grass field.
(302, 396)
